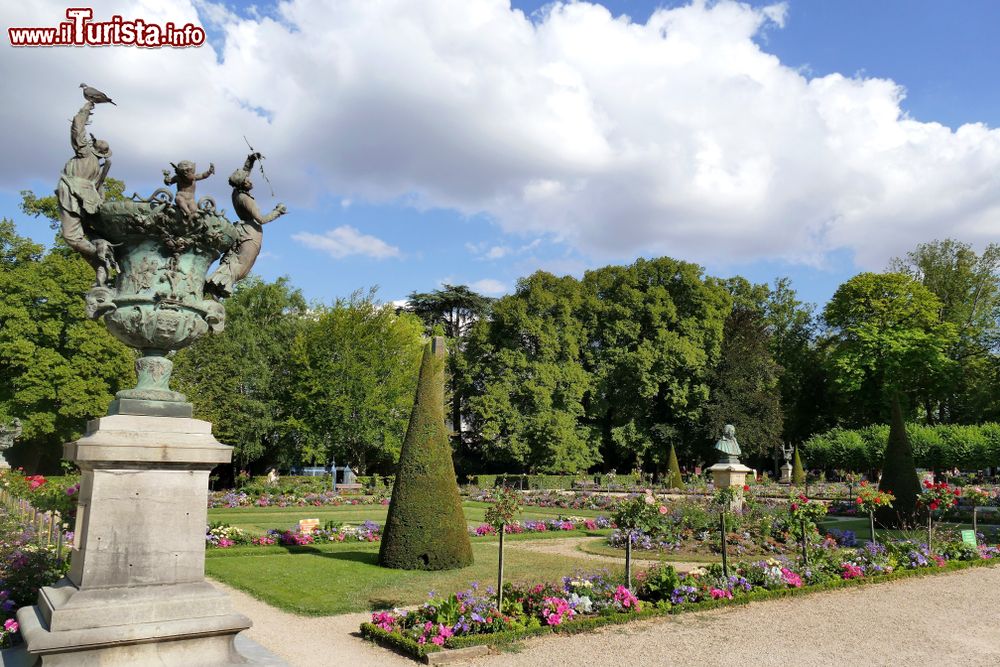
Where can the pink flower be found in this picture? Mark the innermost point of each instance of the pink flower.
(718, 593)
(10, 625)
(791, 578)
(663, 509)
(851, 571)
(626, 599)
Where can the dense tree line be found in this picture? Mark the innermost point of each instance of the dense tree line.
(607, 371)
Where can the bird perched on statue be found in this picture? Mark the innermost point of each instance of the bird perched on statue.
(94, 95)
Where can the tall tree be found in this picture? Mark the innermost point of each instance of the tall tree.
(654, 334)
(744, 386)
(968, 287)
(58, 368)
(887, 336)
(453, 309)
(240, 380)
(525, 379)
(354, 370)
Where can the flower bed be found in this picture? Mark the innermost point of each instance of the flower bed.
(541, 526)
(289, 499)
(25, 566)
(224, 536)
(585, 602)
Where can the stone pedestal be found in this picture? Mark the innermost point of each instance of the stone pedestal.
(734, 475)
(136, 592)
(786, 473)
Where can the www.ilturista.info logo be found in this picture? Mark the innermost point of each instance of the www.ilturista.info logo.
(81, 31)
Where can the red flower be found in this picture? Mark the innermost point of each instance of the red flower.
(746, 487)
(860, 500)
(794, 506)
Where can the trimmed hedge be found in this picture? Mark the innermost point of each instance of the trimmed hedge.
(545, 482)
(939, 447)
(425, 528)
(416, 650)
(397, 642)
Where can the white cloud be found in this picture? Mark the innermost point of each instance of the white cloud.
(680, 135)
(488, 286)
(345, 241)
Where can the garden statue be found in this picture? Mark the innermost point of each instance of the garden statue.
(9, 433)
(79, 196)
(185, 178)
(158, 250)
(135, 592)
(729, 472)
(727, 446)
(238, 261)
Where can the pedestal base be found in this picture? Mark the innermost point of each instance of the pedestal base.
(136, 592)
(725, 475)
(786, 473)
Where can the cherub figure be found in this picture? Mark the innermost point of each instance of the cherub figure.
(185, 178)
(79, 194)
(237, 262)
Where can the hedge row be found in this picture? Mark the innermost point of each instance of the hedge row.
(938, 447)
(545, 482)
(408, 646)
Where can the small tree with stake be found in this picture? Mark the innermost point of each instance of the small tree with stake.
(641, 514)
(502, 513)
(936, 497)
(724, 498)
(804, 515)
(869, 500)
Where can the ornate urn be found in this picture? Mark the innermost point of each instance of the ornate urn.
(158, 303)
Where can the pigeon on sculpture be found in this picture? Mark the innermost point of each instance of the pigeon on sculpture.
(94, 95)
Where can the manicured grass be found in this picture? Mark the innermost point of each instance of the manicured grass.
(341, 578)
(258, 520)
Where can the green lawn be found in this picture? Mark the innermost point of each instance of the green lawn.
(341, 578)
(258, 520)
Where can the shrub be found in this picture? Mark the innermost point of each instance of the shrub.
(798, 474)
(674, 479)
(425, 527)
(899, 474)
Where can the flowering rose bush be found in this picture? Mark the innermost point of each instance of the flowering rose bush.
(870, 499)
(939, 496)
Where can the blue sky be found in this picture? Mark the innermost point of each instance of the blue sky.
(356, 222)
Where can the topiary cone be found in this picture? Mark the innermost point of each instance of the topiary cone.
(798, 473)
(674, 479)
(899, 474)
(425, 528)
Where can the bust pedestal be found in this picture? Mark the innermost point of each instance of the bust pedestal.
(136, 592)
(786, 473)
(725, 475)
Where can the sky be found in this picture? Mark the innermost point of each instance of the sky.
(424, 142)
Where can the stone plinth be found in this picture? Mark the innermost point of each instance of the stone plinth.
(786, 473)
(136, 591)
(725, 475)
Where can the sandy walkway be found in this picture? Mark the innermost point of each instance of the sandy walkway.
(947, 619)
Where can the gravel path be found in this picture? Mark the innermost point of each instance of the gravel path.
(947, 619)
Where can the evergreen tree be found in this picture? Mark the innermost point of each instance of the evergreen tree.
(899, 473)
(798, 473)
(744, 386)
(674, 479)
(425, 528)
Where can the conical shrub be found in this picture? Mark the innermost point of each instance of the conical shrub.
(425, 528)
(899, 474)
(798, 472)
(674, 479)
